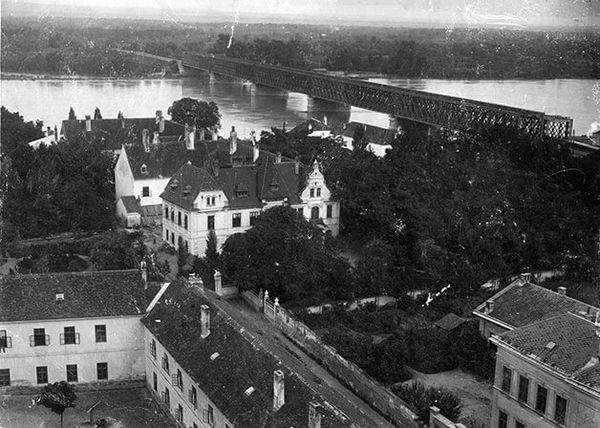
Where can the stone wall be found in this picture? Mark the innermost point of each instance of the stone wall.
(375, 394)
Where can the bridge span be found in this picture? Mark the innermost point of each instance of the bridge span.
(431, 109)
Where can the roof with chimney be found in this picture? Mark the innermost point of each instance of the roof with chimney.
(71, 295)
(522, 303)
(372, 134)
(116, 132)
(229, 361)
(567, 343)
(307, 127)
(245, 186)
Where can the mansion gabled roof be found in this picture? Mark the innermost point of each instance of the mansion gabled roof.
(245, 186)
(229, 363)
(71, 295)
(567, 343)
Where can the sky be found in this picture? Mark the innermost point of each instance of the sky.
(477, 12)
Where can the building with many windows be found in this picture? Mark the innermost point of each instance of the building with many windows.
(228, 199)
(548, 374)
(78, 327)
(209, 371)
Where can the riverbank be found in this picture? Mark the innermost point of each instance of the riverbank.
(7, 75)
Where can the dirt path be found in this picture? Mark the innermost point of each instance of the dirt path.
(475, 394)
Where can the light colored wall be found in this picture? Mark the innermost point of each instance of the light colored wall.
(583, 409)
(177, 396)
(156, 185)
(129, 219)
(123, 177)
(488, 328)
(123, 350)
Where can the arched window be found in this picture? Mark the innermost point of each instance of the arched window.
(314, 213)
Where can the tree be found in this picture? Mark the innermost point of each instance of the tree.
(212, 255)
(16, 131)
(58, 397)
(118, 250)
(197, 113)
(97, 114)
(72, 115)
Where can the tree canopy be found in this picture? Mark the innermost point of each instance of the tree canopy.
(58, 397)
(288, 256)
(203, 115)
(16, 131)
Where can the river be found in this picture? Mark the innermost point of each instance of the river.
(249, 107)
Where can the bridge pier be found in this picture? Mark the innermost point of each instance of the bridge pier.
(335, 114)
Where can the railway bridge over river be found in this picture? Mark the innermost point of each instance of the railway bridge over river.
(423, 107)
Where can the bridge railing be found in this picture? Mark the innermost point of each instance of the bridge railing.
(428, 108)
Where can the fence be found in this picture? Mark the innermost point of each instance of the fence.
(437, 420)
(377, 396)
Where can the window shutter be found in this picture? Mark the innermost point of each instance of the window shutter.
(205, 415)
(32, 340)
(174, 380)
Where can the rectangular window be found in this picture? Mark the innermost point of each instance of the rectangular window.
(318, 192)
(179, 218)
(506, 379)
(253, 216)
(209, 416)
(4, 377)
(519, 424)
(523, 389)
(100, 333)
(173, 216)
(102, 371)
(185, 222)
(194, 425)
(177, 380)
(71, 372)
(179, 414)
(502, 419)
(300, 211)
(329, 211)
(69, 337)
(167, 213)
(193, 397)
(167, 235)
(237, 219)
(211, 222)
(165, 363)
(145, 191)
(39, 338)
(166, 396)
(153, 348)
(541, 398)
(560, 410)
(41, 374)
(5, 341)
(154, 381)
(312, 193)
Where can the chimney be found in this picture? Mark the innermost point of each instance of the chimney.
(156, 138)
(284, 126)
(314, 415)
(215, 168)
(325, 120)
(204, 321)
(146, 140)
(255, 151)
(278, 157)
(489, 307)
(160, 121)
(88, 123)
(562, 290)
(232, 141)
(48, 131)
(296, 166)
(144, 274)
(190, 136)
(55, 134)
(526, 277)
(215, 133)
(278, 390)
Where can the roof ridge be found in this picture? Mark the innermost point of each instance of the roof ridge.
(543, 321)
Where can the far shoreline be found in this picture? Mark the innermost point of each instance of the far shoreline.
(8, 75)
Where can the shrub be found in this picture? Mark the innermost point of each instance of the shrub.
(420, 399)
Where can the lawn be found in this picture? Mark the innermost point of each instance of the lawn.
(131, 408)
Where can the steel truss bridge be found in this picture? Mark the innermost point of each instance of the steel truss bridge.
(431, 109)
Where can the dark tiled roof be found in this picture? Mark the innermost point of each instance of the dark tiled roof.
(118, 132)
(521, 303)
(302, 129)
(242, 363)
(131, 204)
(163, 160)
(372, 134)
(566, 342)
(449, 322)
(86, 295)
(267, 180)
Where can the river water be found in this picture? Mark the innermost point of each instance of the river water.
(249, 107)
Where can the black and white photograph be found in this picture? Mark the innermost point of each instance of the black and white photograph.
(300, 214)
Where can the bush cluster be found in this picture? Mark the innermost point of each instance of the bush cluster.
(420, 399)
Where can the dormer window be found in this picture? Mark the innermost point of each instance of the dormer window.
(59, 297)
(144, 169)
(187, 190)
(241, 190)
(210, 201)
(274, 184)
(174, 185)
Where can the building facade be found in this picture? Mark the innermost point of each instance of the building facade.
(548, 375)
(228, 200)
(80, 327)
